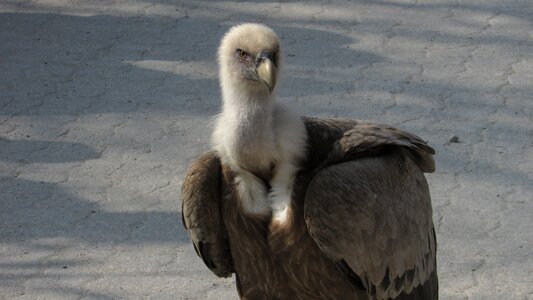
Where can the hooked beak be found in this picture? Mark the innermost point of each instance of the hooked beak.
(266, 70)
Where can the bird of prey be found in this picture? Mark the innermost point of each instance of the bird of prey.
(307, 208)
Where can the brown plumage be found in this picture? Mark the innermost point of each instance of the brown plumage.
(358, 224)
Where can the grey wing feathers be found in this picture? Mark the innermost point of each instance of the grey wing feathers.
(369, 209)
(201, 214)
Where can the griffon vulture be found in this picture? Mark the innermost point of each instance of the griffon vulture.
(307, 208)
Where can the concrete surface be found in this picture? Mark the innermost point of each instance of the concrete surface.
(104, 103)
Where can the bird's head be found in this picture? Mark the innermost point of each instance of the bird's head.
(249, 59)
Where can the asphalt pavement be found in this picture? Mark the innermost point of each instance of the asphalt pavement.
(103, 104)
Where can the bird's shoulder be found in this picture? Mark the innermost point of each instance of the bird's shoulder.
(333, 140)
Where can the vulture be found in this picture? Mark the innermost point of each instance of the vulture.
(306, 208)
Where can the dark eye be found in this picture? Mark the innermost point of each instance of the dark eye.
(242, 54)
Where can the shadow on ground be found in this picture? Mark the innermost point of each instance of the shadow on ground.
(31, 211)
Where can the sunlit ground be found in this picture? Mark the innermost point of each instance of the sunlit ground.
(104, 103)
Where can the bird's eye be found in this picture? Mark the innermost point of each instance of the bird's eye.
(242, 54)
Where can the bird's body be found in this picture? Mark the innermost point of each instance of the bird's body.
(303, 208)
(279, 263)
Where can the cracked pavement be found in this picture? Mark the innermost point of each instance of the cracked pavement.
(104, 103)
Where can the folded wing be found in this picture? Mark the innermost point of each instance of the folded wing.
(201, 214)
(369, 210)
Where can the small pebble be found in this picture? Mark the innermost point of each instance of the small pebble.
(453, 139)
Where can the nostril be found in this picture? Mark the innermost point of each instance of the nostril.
(262, 55)
(265, 54)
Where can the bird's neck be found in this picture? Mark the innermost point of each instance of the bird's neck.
(250, 108)
(244, 133)
(243, 93)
